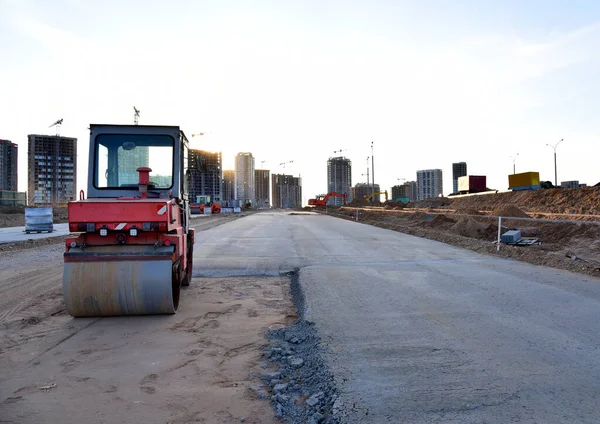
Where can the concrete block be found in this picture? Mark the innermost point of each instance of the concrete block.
(511, 236)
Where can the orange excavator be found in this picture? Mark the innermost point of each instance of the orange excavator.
(321, 200)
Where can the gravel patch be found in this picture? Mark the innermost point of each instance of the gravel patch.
(302, 390)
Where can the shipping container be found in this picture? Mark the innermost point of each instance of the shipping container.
(472, 184)
(404, 200)
(524, 181)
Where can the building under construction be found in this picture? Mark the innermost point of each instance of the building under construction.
(204, 177)
(362, 191)
(8, 166)
(408, 190)
(339, 179)
(261, 188)
(52, 169)
(286, 191)
(228, 185)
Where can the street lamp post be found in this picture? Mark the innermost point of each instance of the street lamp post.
(555, 173)
(368, 181)
(373, 170)
(514, 158)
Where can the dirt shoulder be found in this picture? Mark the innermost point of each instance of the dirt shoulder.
(561, 242)
(200, 365)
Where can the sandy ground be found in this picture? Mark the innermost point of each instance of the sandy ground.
(195, 366)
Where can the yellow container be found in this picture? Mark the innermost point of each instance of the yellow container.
(524, 179)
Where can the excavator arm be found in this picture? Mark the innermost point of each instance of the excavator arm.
(322, 200)
(370, 198)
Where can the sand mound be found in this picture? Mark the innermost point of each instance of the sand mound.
(510, 211)
(441, 220)
(469, 227)
(358, 202)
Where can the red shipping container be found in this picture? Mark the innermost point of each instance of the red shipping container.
(472, 184)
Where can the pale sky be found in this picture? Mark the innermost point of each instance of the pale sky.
(429, 82)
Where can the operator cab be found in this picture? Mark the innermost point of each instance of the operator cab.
(117, 151)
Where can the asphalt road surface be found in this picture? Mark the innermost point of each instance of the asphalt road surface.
(422, 332)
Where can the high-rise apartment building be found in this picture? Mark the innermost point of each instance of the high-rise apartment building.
(429, 184)
(244, 177)
(52, 169)
(8, 166)
(459, 169)
(261, 188)
(129, 163)
(406, 190)
(339, 179)
(228, 185)
(204, 176)
(362, 191)
(286, 191)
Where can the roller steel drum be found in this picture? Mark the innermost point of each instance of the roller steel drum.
(118, 280)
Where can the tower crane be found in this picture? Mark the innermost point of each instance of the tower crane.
(136, 115)
(286, 163)
(342, 150)
(57, 124)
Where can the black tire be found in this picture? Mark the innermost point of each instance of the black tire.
(187, 280)
(176, 283)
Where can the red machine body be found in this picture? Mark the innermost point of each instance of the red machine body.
(134, 249)
(321, 201)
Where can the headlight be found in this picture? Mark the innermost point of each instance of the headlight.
(133, 232)
(103, 231)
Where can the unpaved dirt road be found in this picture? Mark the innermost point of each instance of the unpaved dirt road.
(195, 366)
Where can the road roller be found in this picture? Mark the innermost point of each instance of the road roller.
(131, 248)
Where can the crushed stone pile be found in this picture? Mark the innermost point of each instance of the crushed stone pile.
(510, 211)
(303, 388)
